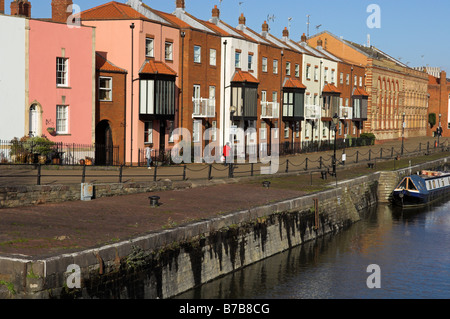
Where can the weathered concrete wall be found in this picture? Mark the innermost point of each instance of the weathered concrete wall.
(166, 263)
(15, 196)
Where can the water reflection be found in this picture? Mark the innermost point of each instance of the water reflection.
(411, 248)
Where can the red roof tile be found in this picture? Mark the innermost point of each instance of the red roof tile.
(111, 10)
(243, 76)
(360, 91)
(156, 67)
(330, 88)
(293, 83)
(102, 64)
(170, 17)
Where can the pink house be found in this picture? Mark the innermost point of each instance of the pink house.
(147, 46)
(61, 81)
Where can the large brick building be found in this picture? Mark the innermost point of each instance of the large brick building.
(438, 104)
(397, 93)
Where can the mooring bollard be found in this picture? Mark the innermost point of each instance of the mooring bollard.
(154, 201)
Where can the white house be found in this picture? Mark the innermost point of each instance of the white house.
(13, 78)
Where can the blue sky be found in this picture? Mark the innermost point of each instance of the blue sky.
(412, 30)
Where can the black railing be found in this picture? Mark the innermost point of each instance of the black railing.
(45, 153)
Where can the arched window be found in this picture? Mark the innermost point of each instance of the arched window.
(33, 120)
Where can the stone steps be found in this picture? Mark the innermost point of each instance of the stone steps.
(386, 184)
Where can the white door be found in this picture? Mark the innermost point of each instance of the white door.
(33, 121)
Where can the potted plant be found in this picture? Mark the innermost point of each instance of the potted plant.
(39, 148)
(51, 131)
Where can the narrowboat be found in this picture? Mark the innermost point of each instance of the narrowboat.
(419, 190)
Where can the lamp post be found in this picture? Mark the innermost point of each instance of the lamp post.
(132, 96)
(232, 111)
(439, 128)
(403, 131)
(335, 122)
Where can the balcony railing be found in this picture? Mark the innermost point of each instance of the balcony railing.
(269, 110)
(204, 107)
(346, 112)
(312, 112)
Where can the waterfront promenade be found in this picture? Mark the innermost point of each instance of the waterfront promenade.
(51, 229)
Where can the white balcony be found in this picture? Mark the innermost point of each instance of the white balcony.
(269, 110)
(312, 112)
(204, 108)
(346, 112)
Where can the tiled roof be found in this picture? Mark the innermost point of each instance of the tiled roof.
(156, 67)
(111, 10)
(293, 83)
(215, 28)
(360, 91)
(243, 76)
(102, 64)
(171, 18)
(330, 88)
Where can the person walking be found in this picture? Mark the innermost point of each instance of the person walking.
(148, 156)
(226, 154)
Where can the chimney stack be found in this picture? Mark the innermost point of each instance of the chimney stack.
(20, 8)
(285, 33)
(303, 38)
(242, 19)
(2, 6)
(180, 4)
(215, 12)
(265, 27)
(59, 10)
(319, 42)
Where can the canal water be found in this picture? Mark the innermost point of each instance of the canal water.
(411, 248)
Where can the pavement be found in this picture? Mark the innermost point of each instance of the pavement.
(51, 229)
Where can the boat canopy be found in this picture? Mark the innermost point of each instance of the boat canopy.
(413, 183)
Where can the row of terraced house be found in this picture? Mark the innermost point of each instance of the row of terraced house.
(127, 75)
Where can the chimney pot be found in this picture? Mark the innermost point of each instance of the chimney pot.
(319, 42)
(180, 4)
(215, 12)
(265, 27)
(303, 39)
(20, 8)
(286, 32)
(2, 6)
(242, 19)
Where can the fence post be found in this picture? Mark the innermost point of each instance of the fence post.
(39, 174)
(370, 153)
(287, 166)
(320, 162)
(392, 152)
(210, 172)
(357, 155)
(230, 170)
(120, 174)
(83, 176)
(155, 173)
(184, 172)
(139, 157)
(251, 170)
(428, 147)
(381, 153)
(306, 164)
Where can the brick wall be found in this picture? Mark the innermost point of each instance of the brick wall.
(59, 10)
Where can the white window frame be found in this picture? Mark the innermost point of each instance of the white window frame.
(149, 47)
(62, 119)
(316, 73)
(264, 64)
(237, 59)
(197, 54)
(297, 71)
(308, 72)
(214, 131)
(288, 68)
(168, 51)
(196, 131)
(263, 131)
(250, 62)
(149, 132)
(275, 66)
(100, 89)
(212, 57)
(62, 67)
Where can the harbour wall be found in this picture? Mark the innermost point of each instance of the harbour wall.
(166, 263)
